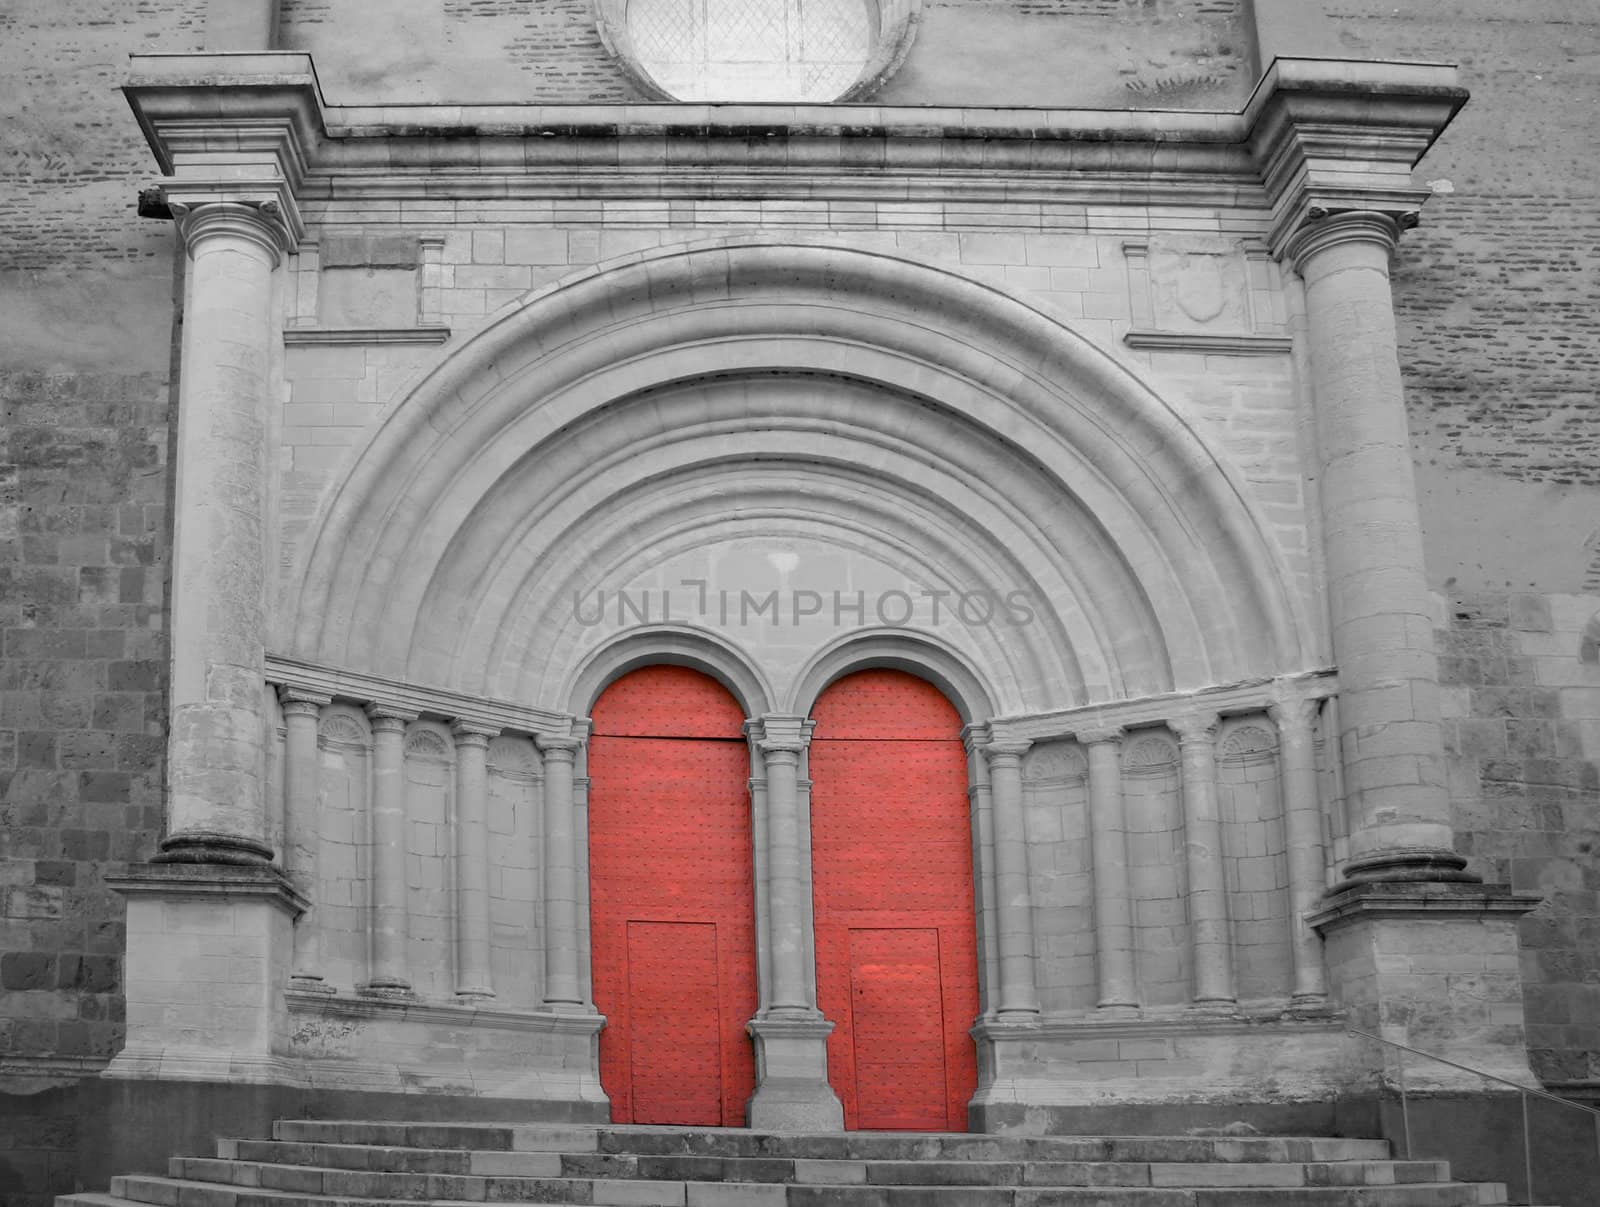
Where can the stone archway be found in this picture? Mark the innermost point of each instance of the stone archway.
(640, 429)
(870, 406)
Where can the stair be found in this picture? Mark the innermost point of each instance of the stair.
(358, 1164)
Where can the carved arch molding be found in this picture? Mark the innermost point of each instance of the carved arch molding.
(779, 406)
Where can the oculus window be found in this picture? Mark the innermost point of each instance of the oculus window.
(794, 51)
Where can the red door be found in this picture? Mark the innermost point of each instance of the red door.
(897, 950)
(672, 898)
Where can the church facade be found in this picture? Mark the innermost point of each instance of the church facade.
(778, 582)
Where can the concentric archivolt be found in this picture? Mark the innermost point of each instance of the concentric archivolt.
(801, 406)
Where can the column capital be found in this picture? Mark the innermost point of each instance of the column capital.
(777, 731)
(386, 718)
(1007, 750)
(1330, 136)
(472, 733)
(264, 221)
(297, 701)
(1296, 713)
(1097, 735)
(234, 130)
(556, 748)
(781, 751)
(1194, 727)
(1322, 229)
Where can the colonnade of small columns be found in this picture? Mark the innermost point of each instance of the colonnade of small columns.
(780, 800)
(388, 973)
(1193, 722)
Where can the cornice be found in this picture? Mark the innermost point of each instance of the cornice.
(1330, 136)
(409, 699)
(1316, 134)
(241, 129)
(1224, 700)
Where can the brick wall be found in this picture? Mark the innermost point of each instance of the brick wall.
(1522, 707)
(1165, 54)
(1496, 291)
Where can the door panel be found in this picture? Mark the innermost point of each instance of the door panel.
(897, 1020)
(897, 968)
(675, 1057)
(672, 911)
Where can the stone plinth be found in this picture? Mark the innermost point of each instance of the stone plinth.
(210, 948)
(1433, 967)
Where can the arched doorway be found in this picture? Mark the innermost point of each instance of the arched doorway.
(672, 898)
(897, 968)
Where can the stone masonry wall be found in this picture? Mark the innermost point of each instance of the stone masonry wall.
(1521, 677)
(85, 336)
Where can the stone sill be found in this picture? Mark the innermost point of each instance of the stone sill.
(1210, 345)
(417, 1010)
(1252, 1019)
(324, 336)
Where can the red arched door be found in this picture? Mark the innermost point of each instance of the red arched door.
(897, 951)
(672, 898)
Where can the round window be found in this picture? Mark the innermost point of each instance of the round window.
(757, 50)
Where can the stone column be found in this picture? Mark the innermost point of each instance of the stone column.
(1202, 844)
(785, 880)
(791, 1035)
(1113, 904)
(1019, 995)
(1302, 816)
(302, 832)
(473, 976)
(391, 928)
(1377, 594)
(980, 800)
(563, 987)
(215, 798)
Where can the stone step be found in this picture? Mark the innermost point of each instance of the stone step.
(181, 1192)
(841, 1146)
(459, 1173)
(487, 1136)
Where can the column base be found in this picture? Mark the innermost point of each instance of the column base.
(386, 989)
(1426, 865)
(792, 1090)
(209, 846)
